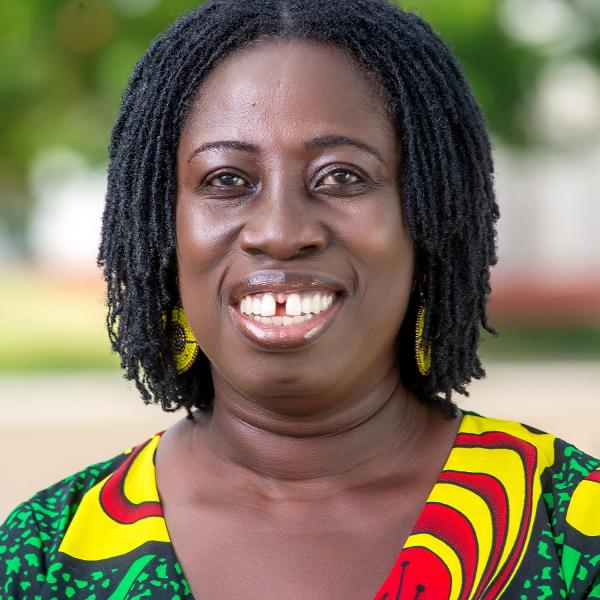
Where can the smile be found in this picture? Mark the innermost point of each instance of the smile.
(282, 309)
(282, 320)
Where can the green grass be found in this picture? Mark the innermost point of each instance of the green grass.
(52, 325)
(543, 342)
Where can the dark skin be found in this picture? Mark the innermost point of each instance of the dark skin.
(310, 473)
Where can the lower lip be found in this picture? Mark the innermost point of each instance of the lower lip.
(283, 337)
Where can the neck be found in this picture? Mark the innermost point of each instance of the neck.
(370, 438)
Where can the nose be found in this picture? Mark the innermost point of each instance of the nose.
(283, 223)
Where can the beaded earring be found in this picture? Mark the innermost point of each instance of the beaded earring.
(182, 341)
(422, 347)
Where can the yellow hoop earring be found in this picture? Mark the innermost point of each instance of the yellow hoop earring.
(182, 341)
(422, 348)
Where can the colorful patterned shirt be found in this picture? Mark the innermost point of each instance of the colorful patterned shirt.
(514, 514)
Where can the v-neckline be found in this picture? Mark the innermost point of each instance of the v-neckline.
(382, 593)
(389, 583)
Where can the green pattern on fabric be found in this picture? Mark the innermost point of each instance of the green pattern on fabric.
(565, 557)
(558, 562)
(31, 567)
(132, 574)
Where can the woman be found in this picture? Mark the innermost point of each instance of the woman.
(297, 241)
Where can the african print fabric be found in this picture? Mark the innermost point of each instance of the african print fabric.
(515, 514)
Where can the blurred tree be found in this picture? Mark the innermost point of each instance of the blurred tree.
(65, 63)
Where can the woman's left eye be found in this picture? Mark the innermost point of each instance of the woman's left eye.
(226, 180)
(340, 177)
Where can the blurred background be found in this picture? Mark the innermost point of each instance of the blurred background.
(534, 66)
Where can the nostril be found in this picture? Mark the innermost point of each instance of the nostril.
(312, 249)
(280, 252)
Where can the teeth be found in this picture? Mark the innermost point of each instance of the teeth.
(306, 304)
(281, 321)
(293, 306)
(303, 304)
(267, 308)
(316, 304)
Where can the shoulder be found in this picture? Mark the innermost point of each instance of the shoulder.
(554, 489)
(572, 501)
(540, 449)
(30, 536)
(568, 478)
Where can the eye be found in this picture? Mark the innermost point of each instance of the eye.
(340, 177)
(226, 180)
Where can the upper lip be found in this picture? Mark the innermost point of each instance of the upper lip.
(283, 281)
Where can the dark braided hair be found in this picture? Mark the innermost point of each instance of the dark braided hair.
(446, 181)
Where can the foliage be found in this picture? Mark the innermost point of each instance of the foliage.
(65, 63)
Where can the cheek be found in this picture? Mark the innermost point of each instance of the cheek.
(201, 245)
(198, 236)
(384, 251)
(379, 236)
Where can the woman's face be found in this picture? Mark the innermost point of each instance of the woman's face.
(288, 204)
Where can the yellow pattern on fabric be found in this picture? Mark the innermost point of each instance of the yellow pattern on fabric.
(583, 513)
(140, 483)
(476, 511)
(93, 535)
(506, 465)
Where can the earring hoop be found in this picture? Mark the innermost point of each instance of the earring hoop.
(422, 346)
(182, 341)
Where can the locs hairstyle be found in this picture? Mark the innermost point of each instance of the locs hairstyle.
(446, 183)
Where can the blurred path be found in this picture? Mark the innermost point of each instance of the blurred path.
(53, 425)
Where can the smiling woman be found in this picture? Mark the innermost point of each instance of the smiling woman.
(303, 210)
(297, 241)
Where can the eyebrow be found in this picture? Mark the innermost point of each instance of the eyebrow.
(231, 144)
(324, 141)
(327, 141)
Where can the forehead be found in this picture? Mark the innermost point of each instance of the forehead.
(288, 88)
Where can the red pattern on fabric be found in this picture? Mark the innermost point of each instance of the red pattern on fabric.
(593, 476)
(406, 578)
(454, 528)
(489, 489)
(528, 455)
(114, 502)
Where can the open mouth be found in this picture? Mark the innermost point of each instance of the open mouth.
(280, 320)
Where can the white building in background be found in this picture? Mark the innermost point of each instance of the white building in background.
(548, 236)
(64, 230)
(549, 229)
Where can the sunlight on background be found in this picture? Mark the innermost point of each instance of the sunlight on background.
(534, 66)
